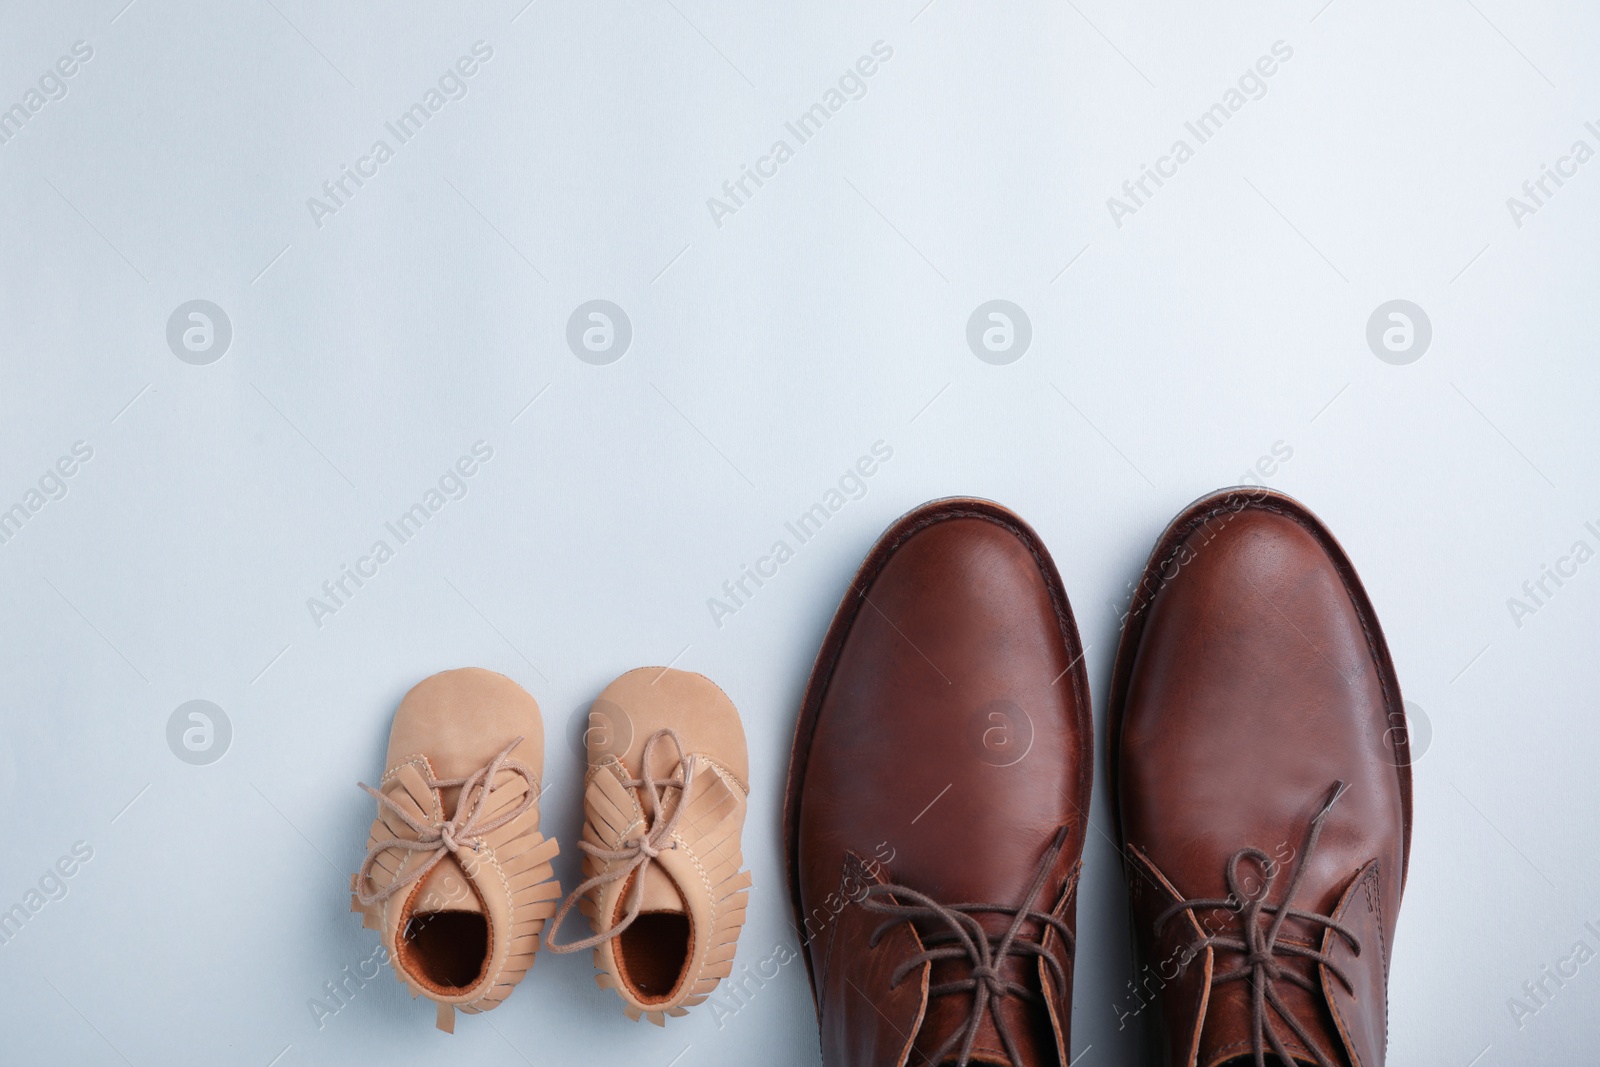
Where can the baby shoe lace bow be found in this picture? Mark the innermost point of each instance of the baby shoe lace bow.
(466, 829)
(1261, 948)
(956, 934)
(636, 853)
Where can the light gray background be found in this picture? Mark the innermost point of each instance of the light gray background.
(1228, 314)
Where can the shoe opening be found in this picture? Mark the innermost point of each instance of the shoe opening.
(653, 954)
(450, 949)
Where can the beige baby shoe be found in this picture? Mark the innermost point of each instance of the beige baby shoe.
(457, 877)
(664, 807)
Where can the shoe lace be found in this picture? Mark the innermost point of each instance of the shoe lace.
(1260, 946)
(957, 934)
(466, 829)
(638, 850)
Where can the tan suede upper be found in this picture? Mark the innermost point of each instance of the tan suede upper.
(683, 860)
(461, 793)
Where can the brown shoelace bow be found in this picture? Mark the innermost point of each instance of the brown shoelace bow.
(962, 937)
(464, 830)
(1261, 947)
(636, 853)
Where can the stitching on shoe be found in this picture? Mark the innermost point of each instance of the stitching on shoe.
(1370, 884)
(420, 761)
(614, 765)
(705, 880)
(722, 770)
(1385, 980)
(852, 863)
(1375, 902)
(511, 905)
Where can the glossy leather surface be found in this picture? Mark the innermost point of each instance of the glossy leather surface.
(945, 735)
(1252, 676)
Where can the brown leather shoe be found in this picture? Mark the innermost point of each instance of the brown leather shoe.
(1260, 770)
(937, 795)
